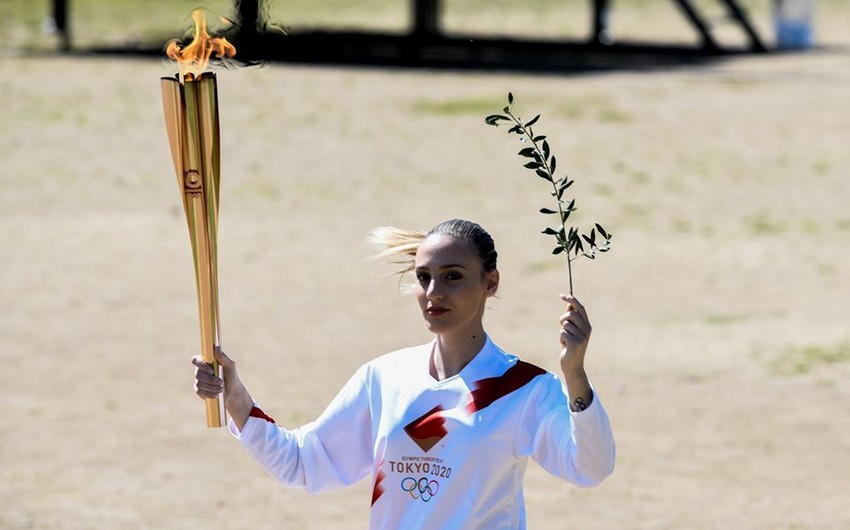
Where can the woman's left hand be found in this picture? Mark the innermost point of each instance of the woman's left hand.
(575, 336)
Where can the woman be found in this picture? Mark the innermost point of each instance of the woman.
(445, 428)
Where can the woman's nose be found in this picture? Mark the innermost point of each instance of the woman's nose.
(433, 290)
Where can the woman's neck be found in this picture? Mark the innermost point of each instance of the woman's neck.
(452, 353)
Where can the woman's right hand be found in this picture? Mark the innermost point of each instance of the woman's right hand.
(208, 385)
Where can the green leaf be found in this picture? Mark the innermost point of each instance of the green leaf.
(538, 138)
(515, 129)
(545, 150)
(602, 231)
(550, 231)
(506, 110)
(557, 250)
(533, 165)
(510, 98)
(553, 164)
(586, 238)
(532, 121)
(547, 211)
(563, 187)
(543, 174)
(494, 119)
(528, 152)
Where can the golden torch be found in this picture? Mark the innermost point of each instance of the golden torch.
(191, 119)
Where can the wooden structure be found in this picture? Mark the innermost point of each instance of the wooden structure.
(425, 44)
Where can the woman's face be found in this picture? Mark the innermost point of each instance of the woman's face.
(451, 285)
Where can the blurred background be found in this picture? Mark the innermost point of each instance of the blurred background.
(721, 347)
(136, 24)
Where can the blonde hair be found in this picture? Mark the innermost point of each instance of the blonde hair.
(399, 246)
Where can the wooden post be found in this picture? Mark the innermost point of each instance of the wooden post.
(426, 17)
(699, 24)
(738, 14)
(60, 19)
(602, 32)
(250, 28)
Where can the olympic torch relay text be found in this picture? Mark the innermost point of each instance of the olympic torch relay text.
(192, 123)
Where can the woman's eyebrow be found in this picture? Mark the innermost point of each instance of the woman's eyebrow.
(441, 267)
(452, 266)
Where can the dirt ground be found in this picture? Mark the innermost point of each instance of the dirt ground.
(721, 344)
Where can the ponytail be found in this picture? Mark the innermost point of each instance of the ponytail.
(397, 246)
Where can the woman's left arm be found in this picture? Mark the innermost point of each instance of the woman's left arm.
(575, 336)
(578, 444)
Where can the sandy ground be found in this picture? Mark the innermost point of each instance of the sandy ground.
(721, 344)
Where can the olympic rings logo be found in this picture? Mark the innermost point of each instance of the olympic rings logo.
(420, 489)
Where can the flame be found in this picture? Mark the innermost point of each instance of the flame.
(194, 58)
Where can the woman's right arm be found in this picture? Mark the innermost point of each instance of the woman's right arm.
(237, 399)
(333, 451)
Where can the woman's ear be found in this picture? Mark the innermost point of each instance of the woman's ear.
(492, 282)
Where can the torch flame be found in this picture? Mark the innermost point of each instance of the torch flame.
(194, 58)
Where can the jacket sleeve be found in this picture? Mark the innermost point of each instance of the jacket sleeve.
(575, 446)
(331, 452)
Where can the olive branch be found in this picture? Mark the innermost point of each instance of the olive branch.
(544, 164)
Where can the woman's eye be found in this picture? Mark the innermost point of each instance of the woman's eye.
(422, 277)
(454, 276)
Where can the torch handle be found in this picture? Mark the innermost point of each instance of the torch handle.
(205, 278)
(215, 406)
(192, 123)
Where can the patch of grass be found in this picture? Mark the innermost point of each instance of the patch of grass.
(738, 82)
(257, 186)
(682, 226)
(455, 107)
(594, 107)
(316, 190)
(613, 115)
(764, 224)
(675, 184)
(605, 190)
(723, 319)
(636, 176)
(804, 359)
(537, 267)
(826, 269)
(639, 176)
(636, 215)
(822, 168)
(810, 226)
(571, 109)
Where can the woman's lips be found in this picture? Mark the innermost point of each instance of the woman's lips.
(436, 311)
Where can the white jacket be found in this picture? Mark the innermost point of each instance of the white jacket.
(445, 454)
